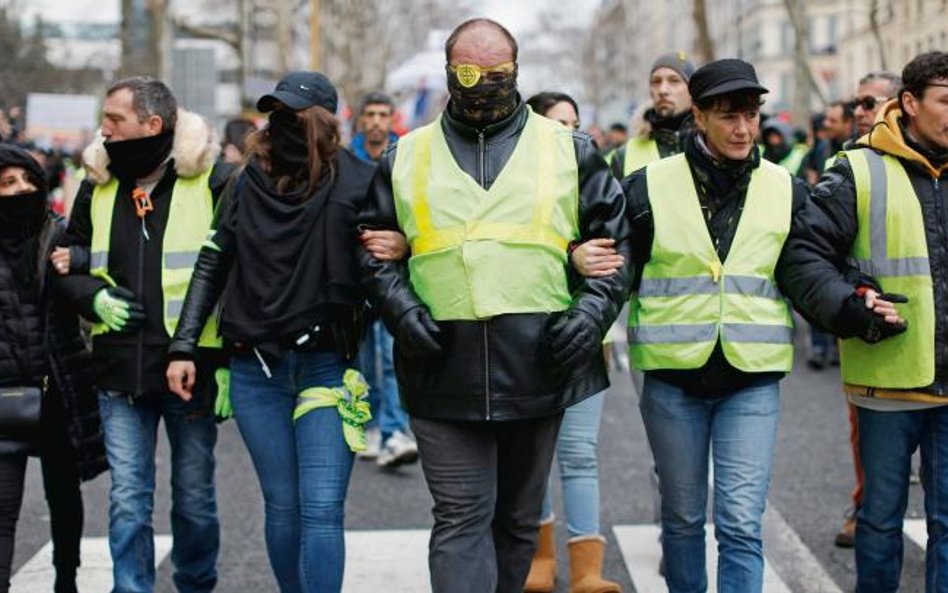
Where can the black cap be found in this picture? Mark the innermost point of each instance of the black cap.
(301, 90)
(722, 77)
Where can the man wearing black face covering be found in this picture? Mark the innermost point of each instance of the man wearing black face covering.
(492, 342)
(142, 215)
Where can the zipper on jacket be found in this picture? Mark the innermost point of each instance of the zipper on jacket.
(486, 370)
(140, 347)
(481, 179)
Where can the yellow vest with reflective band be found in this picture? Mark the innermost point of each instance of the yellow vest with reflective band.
(688, 299)
(639, 152)
(190, 216)
(891, 247)
(478, 253)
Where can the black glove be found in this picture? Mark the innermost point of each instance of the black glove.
(574, 338)
(417, 334)
(859, 321)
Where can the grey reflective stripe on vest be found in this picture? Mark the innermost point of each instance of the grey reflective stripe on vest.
(706, 332)
(742, 285)
(751, 286)
(181, 260)
(671, 287)
(98, 259)
(879, 263)
(673, 334)
(757, 334)
(173, 308)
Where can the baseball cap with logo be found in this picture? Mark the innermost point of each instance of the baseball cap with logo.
(301, 90)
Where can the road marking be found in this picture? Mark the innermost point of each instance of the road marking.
(394, 561)
(791, 558)
(95, 574)
(917, 531)
(642, 553)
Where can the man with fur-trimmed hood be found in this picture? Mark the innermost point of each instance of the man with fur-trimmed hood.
(141, 216)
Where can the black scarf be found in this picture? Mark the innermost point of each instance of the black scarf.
(295, 253)
(131, 160)
(719, 180)
(21, 220)
(669, 132)
(289, 148)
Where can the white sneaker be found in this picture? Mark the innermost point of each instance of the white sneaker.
(399, 449)
(373, 442)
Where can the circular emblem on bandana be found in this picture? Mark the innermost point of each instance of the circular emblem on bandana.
(468, 75)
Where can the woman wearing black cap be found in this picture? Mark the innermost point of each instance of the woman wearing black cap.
(41, 355)
(282, 261)
(709, 327)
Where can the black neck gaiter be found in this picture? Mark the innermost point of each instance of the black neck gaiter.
(289, 148)
(485, 103)
(22, 214)
(131, 160)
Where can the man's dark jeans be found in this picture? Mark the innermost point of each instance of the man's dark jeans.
(487, 480)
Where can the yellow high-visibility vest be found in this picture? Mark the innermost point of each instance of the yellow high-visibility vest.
(639, 152)
(477, 253)
(891, 247)
(688, 299)
(190, 217)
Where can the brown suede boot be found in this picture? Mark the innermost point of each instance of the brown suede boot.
(585, 566)
(542, 575)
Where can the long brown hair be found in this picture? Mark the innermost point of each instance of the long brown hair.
(322, 136)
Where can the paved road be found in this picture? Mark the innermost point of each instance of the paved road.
(388, 512)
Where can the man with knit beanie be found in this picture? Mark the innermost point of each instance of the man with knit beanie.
(666, 122)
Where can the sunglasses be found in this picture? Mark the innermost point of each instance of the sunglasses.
(867, 103)
(470, 74)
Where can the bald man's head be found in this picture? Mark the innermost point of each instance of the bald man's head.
(482, 42)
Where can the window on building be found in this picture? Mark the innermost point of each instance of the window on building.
(832, 34)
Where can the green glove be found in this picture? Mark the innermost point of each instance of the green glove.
(222, 408)
(118, 309)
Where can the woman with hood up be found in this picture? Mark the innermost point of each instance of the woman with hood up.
(40, 347)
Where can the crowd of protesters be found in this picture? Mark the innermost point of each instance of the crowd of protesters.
(358, 302)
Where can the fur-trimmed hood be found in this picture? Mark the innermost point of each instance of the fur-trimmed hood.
(195, 149)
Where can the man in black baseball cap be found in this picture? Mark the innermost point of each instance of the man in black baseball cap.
(301, 90)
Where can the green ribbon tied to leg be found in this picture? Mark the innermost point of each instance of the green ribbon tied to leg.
(222, 407)
(349, 400)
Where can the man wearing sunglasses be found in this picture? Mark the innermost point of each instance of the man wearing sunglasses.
(875, 89)
(492, 339)
(881, 205)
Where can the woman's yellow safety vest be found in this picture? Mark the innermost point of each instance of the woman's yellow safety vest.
(639, 153)
(891, 247)
(688, 299)
(478, 253)
(190, 217)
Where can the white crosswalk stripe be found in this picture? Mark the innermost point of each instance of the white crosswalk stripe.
(393, 561)
(95, 574)
(396, 561)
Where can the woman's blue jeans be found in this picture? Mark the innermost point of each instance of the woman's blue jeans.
(738, 431)
(576, 448)
(303, 466)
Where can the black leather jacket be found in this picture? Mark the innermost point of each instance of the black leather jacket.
(498, 368)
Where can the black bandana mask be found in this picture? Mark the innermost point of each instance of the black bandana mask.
(22, 213)
(289, 147)
(489, 101)
(131, 160)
